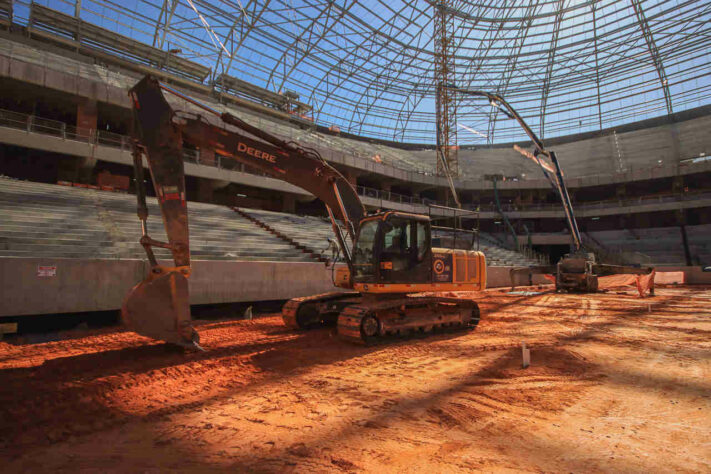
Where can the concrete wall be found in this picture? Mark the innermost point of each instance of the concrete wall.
(692, 275)
(100, 285)
(499, 277)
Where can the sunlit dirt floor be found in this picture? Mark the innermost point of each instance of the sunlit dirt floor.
(616, 383)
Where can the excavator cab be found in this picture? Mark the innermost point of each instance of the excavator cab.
(393, 247)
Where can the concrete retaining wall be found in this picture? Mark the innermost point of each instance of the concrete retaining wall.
(100, 285)
(692, 275)
(499, 277)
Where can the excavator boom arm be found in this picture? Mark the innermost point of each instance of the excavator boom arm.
(551, 170)
(280, 159)
(159, 306)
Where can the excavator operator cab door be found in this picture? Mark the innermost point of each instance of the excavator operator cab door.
(395, 248)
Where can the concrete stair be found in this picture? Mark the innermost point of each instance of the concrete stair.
(663, 245)
(48, 220)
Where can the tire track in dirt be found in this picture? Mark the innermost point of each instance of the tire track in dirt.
(266, 398)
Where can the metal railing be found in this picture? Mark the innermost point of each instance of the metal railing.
(330, 150)
(395, 197)
(34, 124)
(606, 204)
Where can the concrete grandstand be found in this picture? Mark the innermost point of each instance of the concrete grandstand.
(640, 189)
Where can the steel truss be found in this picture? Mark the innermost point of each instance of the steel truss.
(369, 66)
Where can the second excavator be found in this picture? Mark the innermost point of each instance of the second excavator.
(389, 259)
(577, 271)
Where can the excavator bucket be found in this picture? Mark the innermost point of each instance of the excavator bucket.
(158, 308)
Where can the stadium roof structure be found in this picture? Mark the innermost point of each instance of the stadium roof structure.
(568, 66)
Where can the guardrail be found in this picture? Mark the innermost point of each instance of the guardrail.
(34, 124)
(331, 150)
(395, 197)
(642, 200)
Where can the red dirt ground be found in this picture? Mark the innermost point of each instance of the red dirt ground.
(616, 383)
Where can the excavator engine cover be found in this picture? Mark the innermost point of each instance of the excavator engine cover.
(159, 308)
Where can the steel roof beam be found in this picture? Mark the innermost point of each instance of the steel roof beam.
(549, 65)
(654, 53)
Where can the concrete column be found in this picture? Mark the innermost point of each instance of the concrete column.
(288, 203)
(205, 190)
(443, 195)
(680, 217)
(351, 176)
(622, 221)
(675, 145)
(678, 184)
(207, 156)
(87, 117)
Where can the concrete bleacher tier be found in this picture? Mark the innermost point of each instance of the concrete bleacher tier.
(46, 220)
(309, 231)
(663, 245)
(501, 257)
(496, 255)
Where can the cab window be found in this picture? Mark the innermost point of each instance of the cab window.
(364, 250)
(404, 255)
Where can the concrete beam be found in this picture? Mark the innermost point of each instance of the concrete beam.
(90, 151)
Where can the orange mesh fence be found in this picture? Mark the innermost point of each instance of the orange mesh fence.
(645, 284)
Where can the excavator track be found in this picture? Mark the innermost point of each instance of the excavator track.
(379, 321)
(317, 310)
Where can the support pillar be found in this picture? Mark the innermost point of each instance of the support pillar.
(443, 195)
(678, 184)
(207, 157)
(351, 176)
(288, 203)
(87, 117)
(205, 190)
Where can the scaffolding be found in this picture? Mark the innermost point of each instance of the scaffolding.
(445, 100)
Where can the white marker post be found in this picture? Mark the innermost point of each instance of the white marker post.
(526, 354)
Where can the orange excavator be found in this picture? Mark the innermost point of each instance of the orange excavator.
(388, 255)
